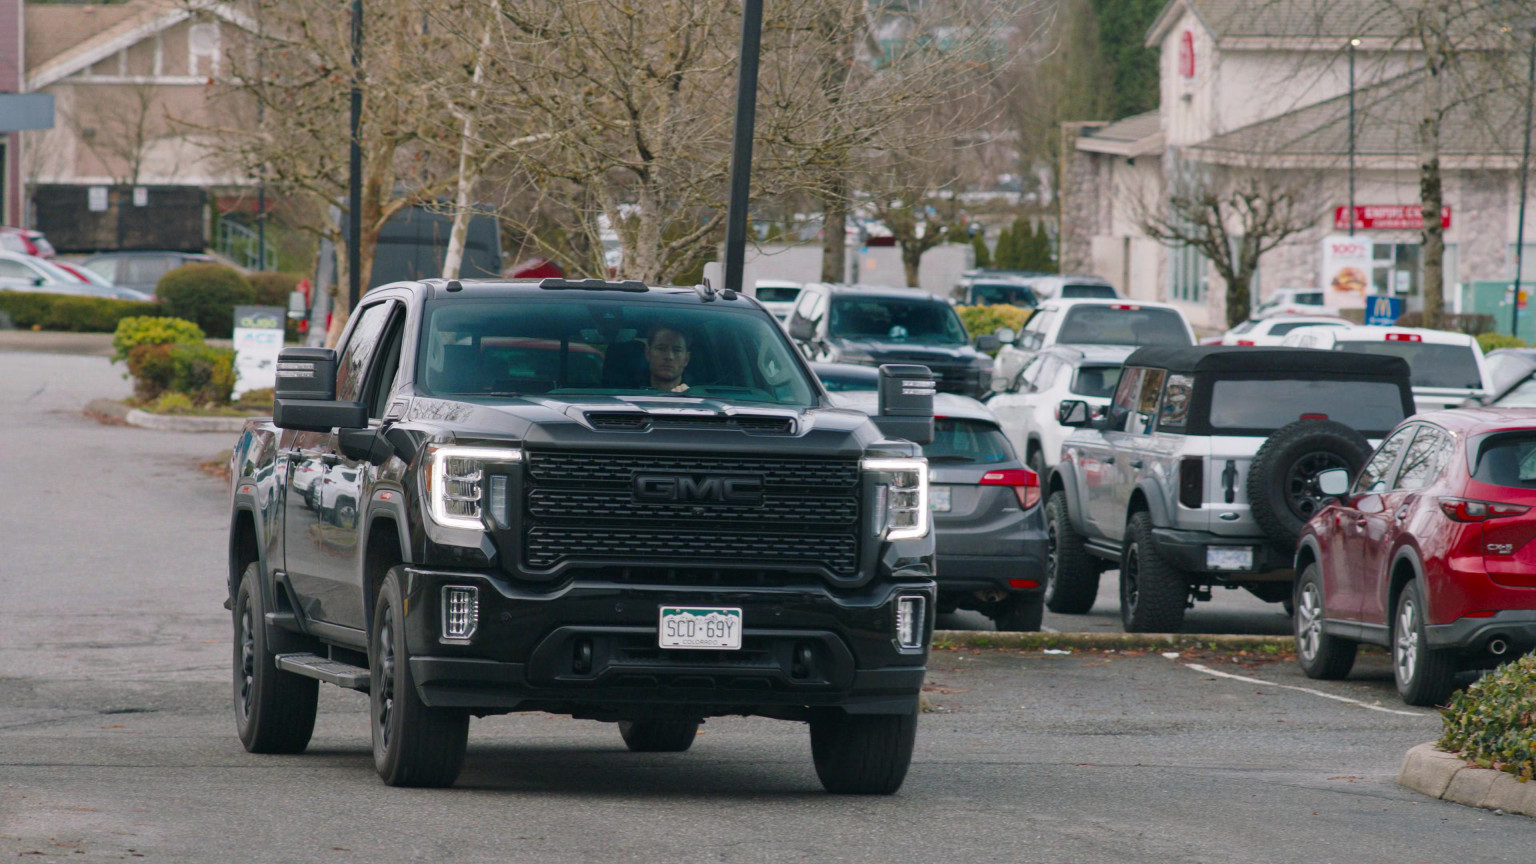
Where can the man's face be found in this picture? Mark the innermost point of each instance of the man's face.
(667, 355)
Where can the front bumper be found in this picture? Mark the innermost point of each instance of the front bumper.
(589, 649)
(1186, 550)
(1516, 626)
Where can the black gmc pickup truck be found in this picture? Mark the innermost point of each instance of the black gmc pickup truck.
(601, 499)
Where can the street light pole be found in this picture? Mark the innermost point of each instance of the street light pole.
(741, 152)
(355, 172)
(1353, 44)
(1525, 168)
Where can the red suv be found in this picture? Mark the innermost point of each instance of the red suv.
(1428, 553)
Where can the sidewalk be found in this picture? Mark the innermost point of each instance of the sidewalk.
(48, 342)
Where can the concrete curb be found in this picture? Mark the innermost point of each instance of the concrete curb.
(1108, 641)
(164, 422)
(108, 408)
(1442, 775)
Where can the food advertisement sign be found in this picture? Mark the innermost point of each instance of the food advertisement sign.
(258, 338)
(1346, 271)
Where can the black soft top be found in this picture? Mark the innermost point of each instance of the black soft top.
(1236, 359)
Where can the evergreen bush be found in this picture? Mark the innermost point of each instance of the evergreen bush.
(206, 294)
(1493, 721)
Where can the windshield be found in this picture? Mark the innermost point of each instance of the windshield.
(777, 295)
(1122, 325)
(1430, 364)
(967, 441)
(1087, 291)
(1285, 327)
(580, 345)
(895, 319)
(1096, 381)
(1002, 294)
(1261, 407)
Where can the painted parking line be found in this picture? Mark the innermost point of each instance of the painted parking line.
(1209, 671)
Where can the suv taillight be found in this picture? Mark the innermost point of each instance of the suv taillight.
(1025, 483)
(1192, 482)
(1467, 510)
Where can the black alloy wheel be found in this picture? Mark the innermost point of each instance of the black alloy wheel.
(1303, 494)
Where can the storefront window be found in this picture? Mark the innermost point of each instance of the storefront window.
(1189, 275)
(1398, 270)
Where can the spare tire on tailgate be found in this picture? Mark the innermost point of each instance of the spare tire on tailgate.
(1282, 479)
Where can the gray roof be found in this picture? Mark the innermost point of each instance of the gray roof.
(1130, 136)
(1312, 19)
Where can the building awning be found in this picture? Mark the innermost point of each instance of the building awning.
(1137, 135)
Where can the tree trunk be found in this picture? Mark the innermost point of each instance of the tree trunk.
(834, 234)
(1239, 295)
(1434, 37)
(911, 256)
(469, 171)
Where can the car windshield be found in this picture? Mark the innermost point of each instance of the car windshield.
(1087, 291)
(777, 295)
(1430, 364)
(975, 441)
(1507, 459)
(1096, 381)
(1283, 327)
(1522, 395)
(1002, 294)
(1122, 324)
(1258, 407)
(580, 345)
(895, 319)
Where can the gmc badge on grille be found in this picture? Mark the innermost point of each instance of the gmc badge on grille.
(698, 489)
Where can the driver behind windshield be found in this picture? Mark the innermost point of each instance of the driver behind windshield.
(666, 353)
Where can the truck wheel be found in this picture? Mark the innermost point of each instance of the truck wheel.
(1071, 574)
(274, 710)
(1425, 676)
(862, 754)
(1019, 614)
(1319, 655)
(659, 736)
(413, 745)
(1153, 593)
(1282, 478)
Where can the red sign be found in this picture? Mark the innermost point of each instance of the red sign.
(1388, 216)
(1187, 54)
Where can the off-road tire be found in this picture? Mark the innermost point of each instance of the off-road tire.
(1282, 478)
(413, 745)
(862, 754)
(1320, 656)
(1153, 593)
(1036, 463)
(658, 736)
(1425, 676)
(1019, 613)
(1071, 574)
(274, 709)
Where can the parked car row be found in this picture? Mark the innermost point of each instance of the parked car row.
(28, 263)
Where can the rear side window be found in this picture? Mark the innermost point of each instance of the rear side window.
(1240, 407)
(1507, 459)
(977, 441)
(1429, 364)
(1096, 381)
(1425, 457)
(1108, 325)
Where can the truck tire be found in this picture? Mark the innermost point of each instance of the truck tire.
(274, 710)
(1071, 574)
(1019, 614)
(659, 736)
(413, 745)
(1282, 479)
(1320, 656)
(1153, 593)
(862, 754)
(1425, 676)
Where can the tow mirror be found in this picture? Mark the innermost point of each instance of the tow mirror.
(988, 343)
(1073, 413)
(305, 395)
(1005, 335)
(1333, 482)
(906, 402)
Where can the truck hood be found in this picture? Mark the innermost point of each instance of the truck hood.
(885, 352)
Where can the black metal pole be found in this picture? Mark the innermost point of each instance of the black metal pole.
(355, 178)
(1525, 169)
(741, 151)
(1351, 211)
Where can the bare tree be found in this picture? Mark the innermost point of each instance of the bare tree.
(118, 124)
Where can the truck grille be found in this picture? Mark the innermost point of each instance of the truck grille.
(581, 506)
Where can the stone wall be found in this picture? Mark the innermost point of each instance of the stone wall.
(1084, 198)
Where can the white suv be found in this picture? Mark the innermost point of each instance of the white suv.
(1271, 332)
(1027, 414)
(1090, 322)
(1445, 368)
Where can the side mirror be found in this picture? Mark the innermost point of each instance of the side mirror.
(801, 329)
(906, 402)
(38, 281)
(988, 343)
(1005, 335)
(1334, 482)
(298, 308)
(305, 395)
(1074, 413)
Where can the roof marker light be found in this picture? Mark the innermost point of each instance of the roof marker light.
(1404, 337)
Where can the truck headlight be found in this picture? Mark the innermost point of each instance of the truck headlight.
(454, 483)
(901, 504)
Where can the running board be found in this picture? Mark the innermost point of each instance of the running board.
(1103, 549)
(330, 671)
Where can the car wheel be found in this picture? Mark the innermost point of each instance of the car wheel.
(1071, 574)
(1318, 654)
(413, 745)
(1019, 614)
(659, 736)
(1153, 593)
(1282, 478)
(862, 754)
(274, 710)
(1037, 464)
(346, 514)
(1425, 676)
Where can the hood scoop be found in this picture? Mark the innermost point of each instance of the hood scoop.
(641, 421)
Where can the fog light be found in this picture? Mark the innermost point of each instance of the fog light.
(499, 500)
(909, 621)
(461, 612)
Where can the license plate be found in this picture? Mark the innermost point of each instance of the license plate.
(938, 499)
(696, 627)
(1229, 558)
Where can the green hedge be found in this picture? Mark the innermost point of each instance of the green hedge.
(205, 294)
(979, 320)
(69, 312)
(202, 373)
(133, 332)
(1493, 722)
(1495, 341)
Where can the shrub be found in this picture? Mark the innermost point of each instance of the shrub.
(205, 294)
(71, 312)
(256, 400)
(152, 370)
(1495, 341)
(172, 403)
(1493, 722)
(204, 373)
(144, 330)
(986, 319)
(272, 289)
